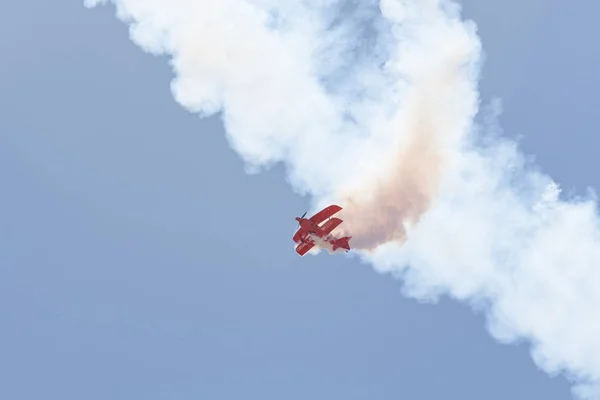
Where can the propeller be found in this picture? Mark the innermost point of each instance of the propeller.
(302, 217)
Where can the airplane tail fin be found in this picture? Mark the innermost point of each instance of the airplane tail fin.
(342, 243)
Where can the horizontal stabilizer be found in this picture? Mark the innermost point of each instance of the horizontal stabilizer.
(342, 243)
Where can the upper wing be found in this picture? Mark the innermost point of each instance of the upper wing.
(330, 225)
(325, 213)
(303, 248)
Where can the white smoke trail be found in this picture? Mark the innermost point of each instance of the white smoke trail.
(375, 111)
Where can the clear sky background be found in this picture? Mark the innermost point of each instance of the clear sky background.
(131, 265)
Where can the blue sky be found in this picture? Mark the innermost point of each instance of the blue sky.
(129, 261)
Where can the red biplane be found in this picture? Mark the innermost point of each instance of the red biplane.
(311, 233)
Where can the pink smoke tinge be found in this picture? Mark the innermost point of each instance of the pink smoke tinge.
(397, 199)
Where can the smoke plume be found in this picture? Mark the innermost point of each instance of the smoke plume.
(390, 88)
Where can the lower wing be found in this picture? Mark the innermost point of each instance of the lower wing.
(304, 247)
(330, 225)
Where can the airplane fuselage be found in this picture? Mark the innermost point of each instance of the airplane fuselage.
(308, 227)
